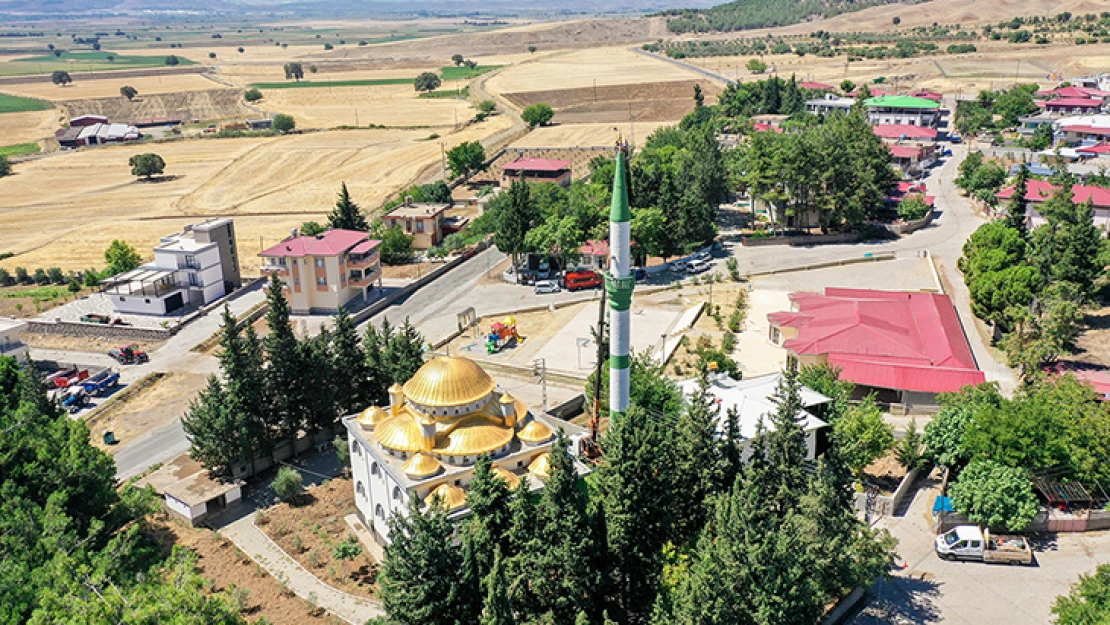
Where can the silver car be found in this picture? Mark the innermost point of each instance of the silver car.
(546, 286)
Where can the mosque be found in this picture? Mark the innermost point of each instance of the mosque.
(426, 442)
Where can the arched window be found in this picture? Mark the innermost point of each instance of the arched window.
(356, 448)
(360, 489)
(379, 511)
(396, 493)
(374, 470)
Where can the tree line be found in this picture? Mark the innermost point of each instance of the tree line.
(673, 526)
(276, 386)
(746, 14)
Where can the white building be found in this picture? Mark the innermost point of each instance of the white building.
(754, 401)
(830, 104)
(189, 491)
(11, 340)
(194, 267)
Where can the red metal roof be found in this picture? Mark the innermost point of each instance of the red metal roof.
(1102, 148)
(887, 339)
(365, 246)
(1074, 103)
(904, 151)
(928, 95)
(330, 243)
(595, 247)
(816, 86)
(1041, 190)
(1093, 130)
(536, 164)
(1097, 376)
(897, 131)
(1076, 92)
(764, 127)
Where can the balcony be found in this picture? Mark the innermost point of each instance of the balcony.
(360, 260)
(280, 270)
(360, 278)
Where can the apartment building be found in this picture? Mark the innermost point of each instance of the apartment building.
(323, 272)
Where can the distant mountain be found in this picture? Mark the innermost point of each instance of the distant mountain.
(747, 14)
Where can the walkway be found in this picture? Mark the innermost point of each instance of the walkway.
(277, 563)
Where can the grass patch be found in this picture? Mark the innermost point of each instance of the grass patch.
(451, 72)
(446, 93)
(16, 104)
(40, 293)
(19, 149)
(84, 61)
(308, 84)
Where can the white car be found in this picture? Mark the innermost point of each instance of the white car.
(546, 286)
(696, 266)
(679, 265)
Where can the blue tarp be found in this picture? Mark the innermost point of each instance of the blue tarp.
(943, 504)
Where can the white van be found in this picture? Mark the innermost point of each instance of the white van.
(696, 265)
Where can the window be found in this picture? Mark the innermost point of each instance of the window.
(321, 281)
(357, 448)
(375, 470)
(408, 226)
(379, 512)
(420, 226)
(320, 263)
(360, 489)
(194, 279)
(396, 494)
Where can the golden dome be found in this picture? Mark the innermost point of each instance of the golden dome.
(400, 433)
(448, 381)
(420, 466)
(371, 417)
(452, 496)
(507, 399)
(473, 435)
(541, 466)
(511, 479)
(535, 432)
(396, 388)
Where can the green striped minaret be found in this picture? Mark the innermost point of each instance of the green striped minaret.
(618, 284)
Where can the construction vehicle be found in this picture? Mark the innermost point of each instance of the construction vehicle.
(502, 334)
(98, 384)
(129, 355)
(968, 542)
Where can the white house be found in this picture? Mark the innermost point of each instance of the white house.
(189, 491)
(11, 341)
(754, 401)
(830, 104)
(194, 267)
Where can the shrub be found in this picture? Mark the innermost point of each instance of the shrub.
(284, 123)
(41, 277)
(252, 95)
(56, 276)
(538, 114)
(734, 320)
(342, 451)
(21, 276)
(913, 208)
(728, 342)
(5, 277)
(288, 485)
(74, 286)
(908, 450)
(733, 268)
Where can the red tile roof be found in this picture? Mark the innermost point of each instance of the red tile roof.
(1076, 92)
(1041, 190)
(904, 151)
(886, 339)
(764, 127)
(897, 131)
(816, 86)
(330, 243)
(1073, 103)
(530, 163)
(595, 247)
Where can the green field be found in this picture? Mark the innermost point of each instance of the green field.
(16, 104)
(446, 93)
(451, 72)
(308, 84)
(19, 149)
(84, 61)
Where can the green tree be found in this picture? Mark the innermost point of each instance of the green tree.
(756, 66)
(538, 114)
(60, 77)
(311, 229)
(342, 451)
(515, 216)
(294, 70)
(252, 95)
(862, 435)
(427, 81)
(694, 472)
(487, 528)
(396, 246)
(847, 86)
(172, 60)
(945, 435)
(128, 92)
(119, 256)
(347, 215)
(496, 607)
(288, 485)
(1088, 601)
(349, 369)
(146, 165)
(908, 450)
(1017, 207)
(5, 166)
(284, 379)
(319, 383)
(995, 495)
(466, 158)
(1042, 138)
(348, 549)
(283, 123)
(457, 59)
(214, 430)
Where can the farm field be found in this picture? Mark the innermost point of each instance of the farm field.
(107, 87)
(586, 135)
(268, 185)
(18, 128)
(83, 61)
(390, 105)
(322, 84)
(19, 149)
(581, 68)
(16, 104)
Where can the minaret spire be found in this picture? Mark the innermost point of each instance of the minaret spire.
(618, 284)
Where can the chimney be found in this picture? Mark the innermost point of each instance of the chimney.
(408, 200)
(293, 233)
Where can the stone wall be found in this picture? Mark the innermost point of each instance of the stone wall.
(98, 330)
(809, 239)
(911, 226)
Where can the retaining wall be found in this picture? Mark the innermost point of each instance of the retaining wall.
(97, 330)
(809, 239)
(911, 226)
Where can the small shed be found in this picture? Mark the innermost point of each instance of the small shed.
(260, 124)
(189, 491)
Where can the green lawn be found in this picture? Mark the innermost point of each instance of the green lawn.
(451, 72)
(39, 292)
(19, 149)
(84, 61)
(446, 93)
(309, 84)
(16, 104)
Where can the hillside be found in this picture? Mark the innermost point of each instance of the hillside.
(748, 14)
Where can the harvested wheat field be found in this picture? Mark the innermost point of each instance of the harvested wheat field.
(586, 135)
(648, 101)
(383, 105)
(89, 197)
(27, 127)
(186, 105)
(580, 69)
(109, 87)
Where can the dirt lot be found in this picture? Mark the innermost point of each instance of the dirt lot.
(650, 101)
(885, 473)
(228, 567)
(308, 532)
(82, 344)
(147, 410)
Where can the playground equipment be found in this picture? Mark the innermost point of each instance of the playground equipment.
(502, 334)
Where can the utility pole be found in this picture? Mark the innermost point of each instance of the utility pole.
(541, 370)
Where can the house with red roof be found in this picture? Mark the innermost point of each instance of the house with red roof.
(1072, 105)
(905, 132)
(423, 221)
(928, 95)
(1038, 192)
(905, 190)
(912, 160)
(325, 271)
(816, 86)
(1078, 134)
(765, 127)
(905, 346)
(1075, 91)
(535, 169)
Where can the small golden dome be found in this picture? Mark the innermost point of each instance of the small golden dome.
(420, 466)
(475, 434)
(452, 496)
(396, 388)
(400, 433)
(371, 417)
(511, 479)
(541, 466)
(535, 432)
(507, 399)
(448, 381)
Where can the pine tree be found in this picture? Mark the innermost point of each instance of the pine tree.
(792, 101)
(211, 429)
(632, 482)
(496, 609)
(347, 215)
(786, 444)
(419, 580)
(284, 375)
(1017, 206)
(378, 375)
(731, 454)
(404, 353)
(241, 360)
(351, 375)
(318, 382)
(696, 464)
(488, 498)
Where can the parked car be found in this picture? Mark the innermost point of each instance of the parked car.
(577, 280)
(679, 264)
(702, 255)
(968, 542)
(954, 138)
(546, 286)
(696, 265)
(640, 274)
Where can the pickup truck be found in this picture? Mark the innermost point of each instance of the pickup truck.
(968, 542)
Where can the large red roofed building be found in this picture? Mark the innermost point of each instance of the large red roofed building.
(536, 170)
(1039, 191)
(906, 346)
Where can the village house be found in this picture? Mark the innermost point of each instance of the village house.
(905, 346)
(903, 109)
(194, 267)
(815, 86)
(913, 160)
(190, 493)
(1038, 192)
(830, 104)
(905, 132)
(536, 170)
(323, 272)
(1072, 106)
(11, 339)
(423, 221)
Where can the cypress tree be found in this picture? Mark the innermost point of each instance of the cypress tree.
(212, 429)
(696, 464)
(1017, 206)
(488, 498)
(731, 454)
(404, 353)
(318, 381)
(419, 580)
(786, 445)
(241, 360)
(347, 215)
(284, 375)
(379, 377)
(350, 372)
(496, 609)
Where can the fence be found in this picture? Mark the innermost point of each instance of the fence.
(1044, 522)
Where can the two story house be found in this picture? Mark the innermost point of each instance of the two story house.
(325, 271)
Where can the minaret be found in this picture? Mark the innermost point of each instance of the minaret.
(618, 284)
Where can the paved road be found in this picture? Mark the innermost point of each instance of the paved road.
(708, 73)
